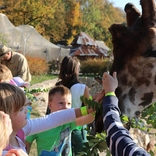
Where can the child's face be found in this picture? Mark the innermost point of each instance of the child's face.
(19, 118)
(60, 102)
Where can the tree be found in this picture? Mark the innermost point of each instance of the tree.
(32, 12)
(72, 19)
(97, 16)
(56, 27)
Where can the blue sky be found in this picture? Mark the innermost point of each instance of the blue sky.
(121, 3)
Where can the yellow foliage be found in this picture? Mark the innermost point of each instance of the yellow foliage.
(70, 40)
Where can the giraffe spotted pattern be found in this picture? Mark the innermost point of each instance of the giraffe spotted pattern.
(134, 49)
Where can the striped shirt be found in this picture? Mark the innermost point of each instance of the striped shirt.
(118, 139)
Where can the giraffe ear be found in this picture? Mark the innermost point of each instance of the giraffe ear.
(132, 14)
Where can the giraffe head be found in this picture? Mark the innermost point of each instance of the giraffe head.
(134, 50)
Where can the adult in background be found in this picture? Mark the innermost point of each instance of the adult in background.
(16, 62)
(68, 76)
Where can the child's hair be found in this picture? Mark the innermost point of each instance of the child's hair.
(58, 89)
(12, 98)
(68, 70)
(5, 73)
(4, 136)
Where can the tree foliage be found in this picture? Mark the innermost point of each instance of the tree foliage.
(97, 17)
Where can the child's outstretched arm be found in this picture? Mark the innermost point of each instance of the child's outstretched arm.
(54, 119)
(87, 119)
(118, 139)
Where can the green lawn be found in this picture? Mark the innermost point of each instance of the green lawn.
(41, 78)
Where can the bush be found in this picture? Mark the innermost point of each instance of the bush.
(95, 66)
(54, 66)
(38, 66)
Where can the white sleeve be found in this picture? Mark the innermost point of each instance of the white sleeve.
(50, 121)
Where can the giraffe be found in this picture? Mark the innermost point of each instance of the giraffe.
(134, 50)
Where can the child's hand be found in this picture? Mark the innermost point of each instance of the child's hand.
(7, 121)
(109, 83)
(16, 152)
(99, 96)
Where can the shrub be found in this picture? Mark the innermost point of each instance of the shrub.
(95, 66)
(38, 66)
(54, 66)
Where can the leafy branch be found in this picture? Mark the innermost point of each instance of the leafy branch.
(31, 93)
(91, 103)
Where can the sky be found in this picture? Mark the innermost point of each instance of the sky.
(121, 3)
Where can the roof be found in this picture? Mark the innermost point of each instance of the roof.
(88, 51)
(83, 39)
(84, 45)
(102, 45)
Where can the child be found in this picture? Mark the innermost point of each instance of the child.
(20, 82)
(118, 139)
(57, 141)
(6, 76)
(6, 130)
(12, 100)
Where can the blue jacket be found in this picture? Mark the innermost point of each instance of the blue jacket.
(118, 139)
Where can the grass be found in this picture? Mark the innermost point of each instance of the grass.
(41, 78)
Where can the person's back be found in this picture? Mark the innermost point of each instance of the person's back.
(79, 134)
(77, 91)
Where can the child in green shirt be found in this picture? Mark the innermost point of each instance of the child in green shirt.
(57, 141)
